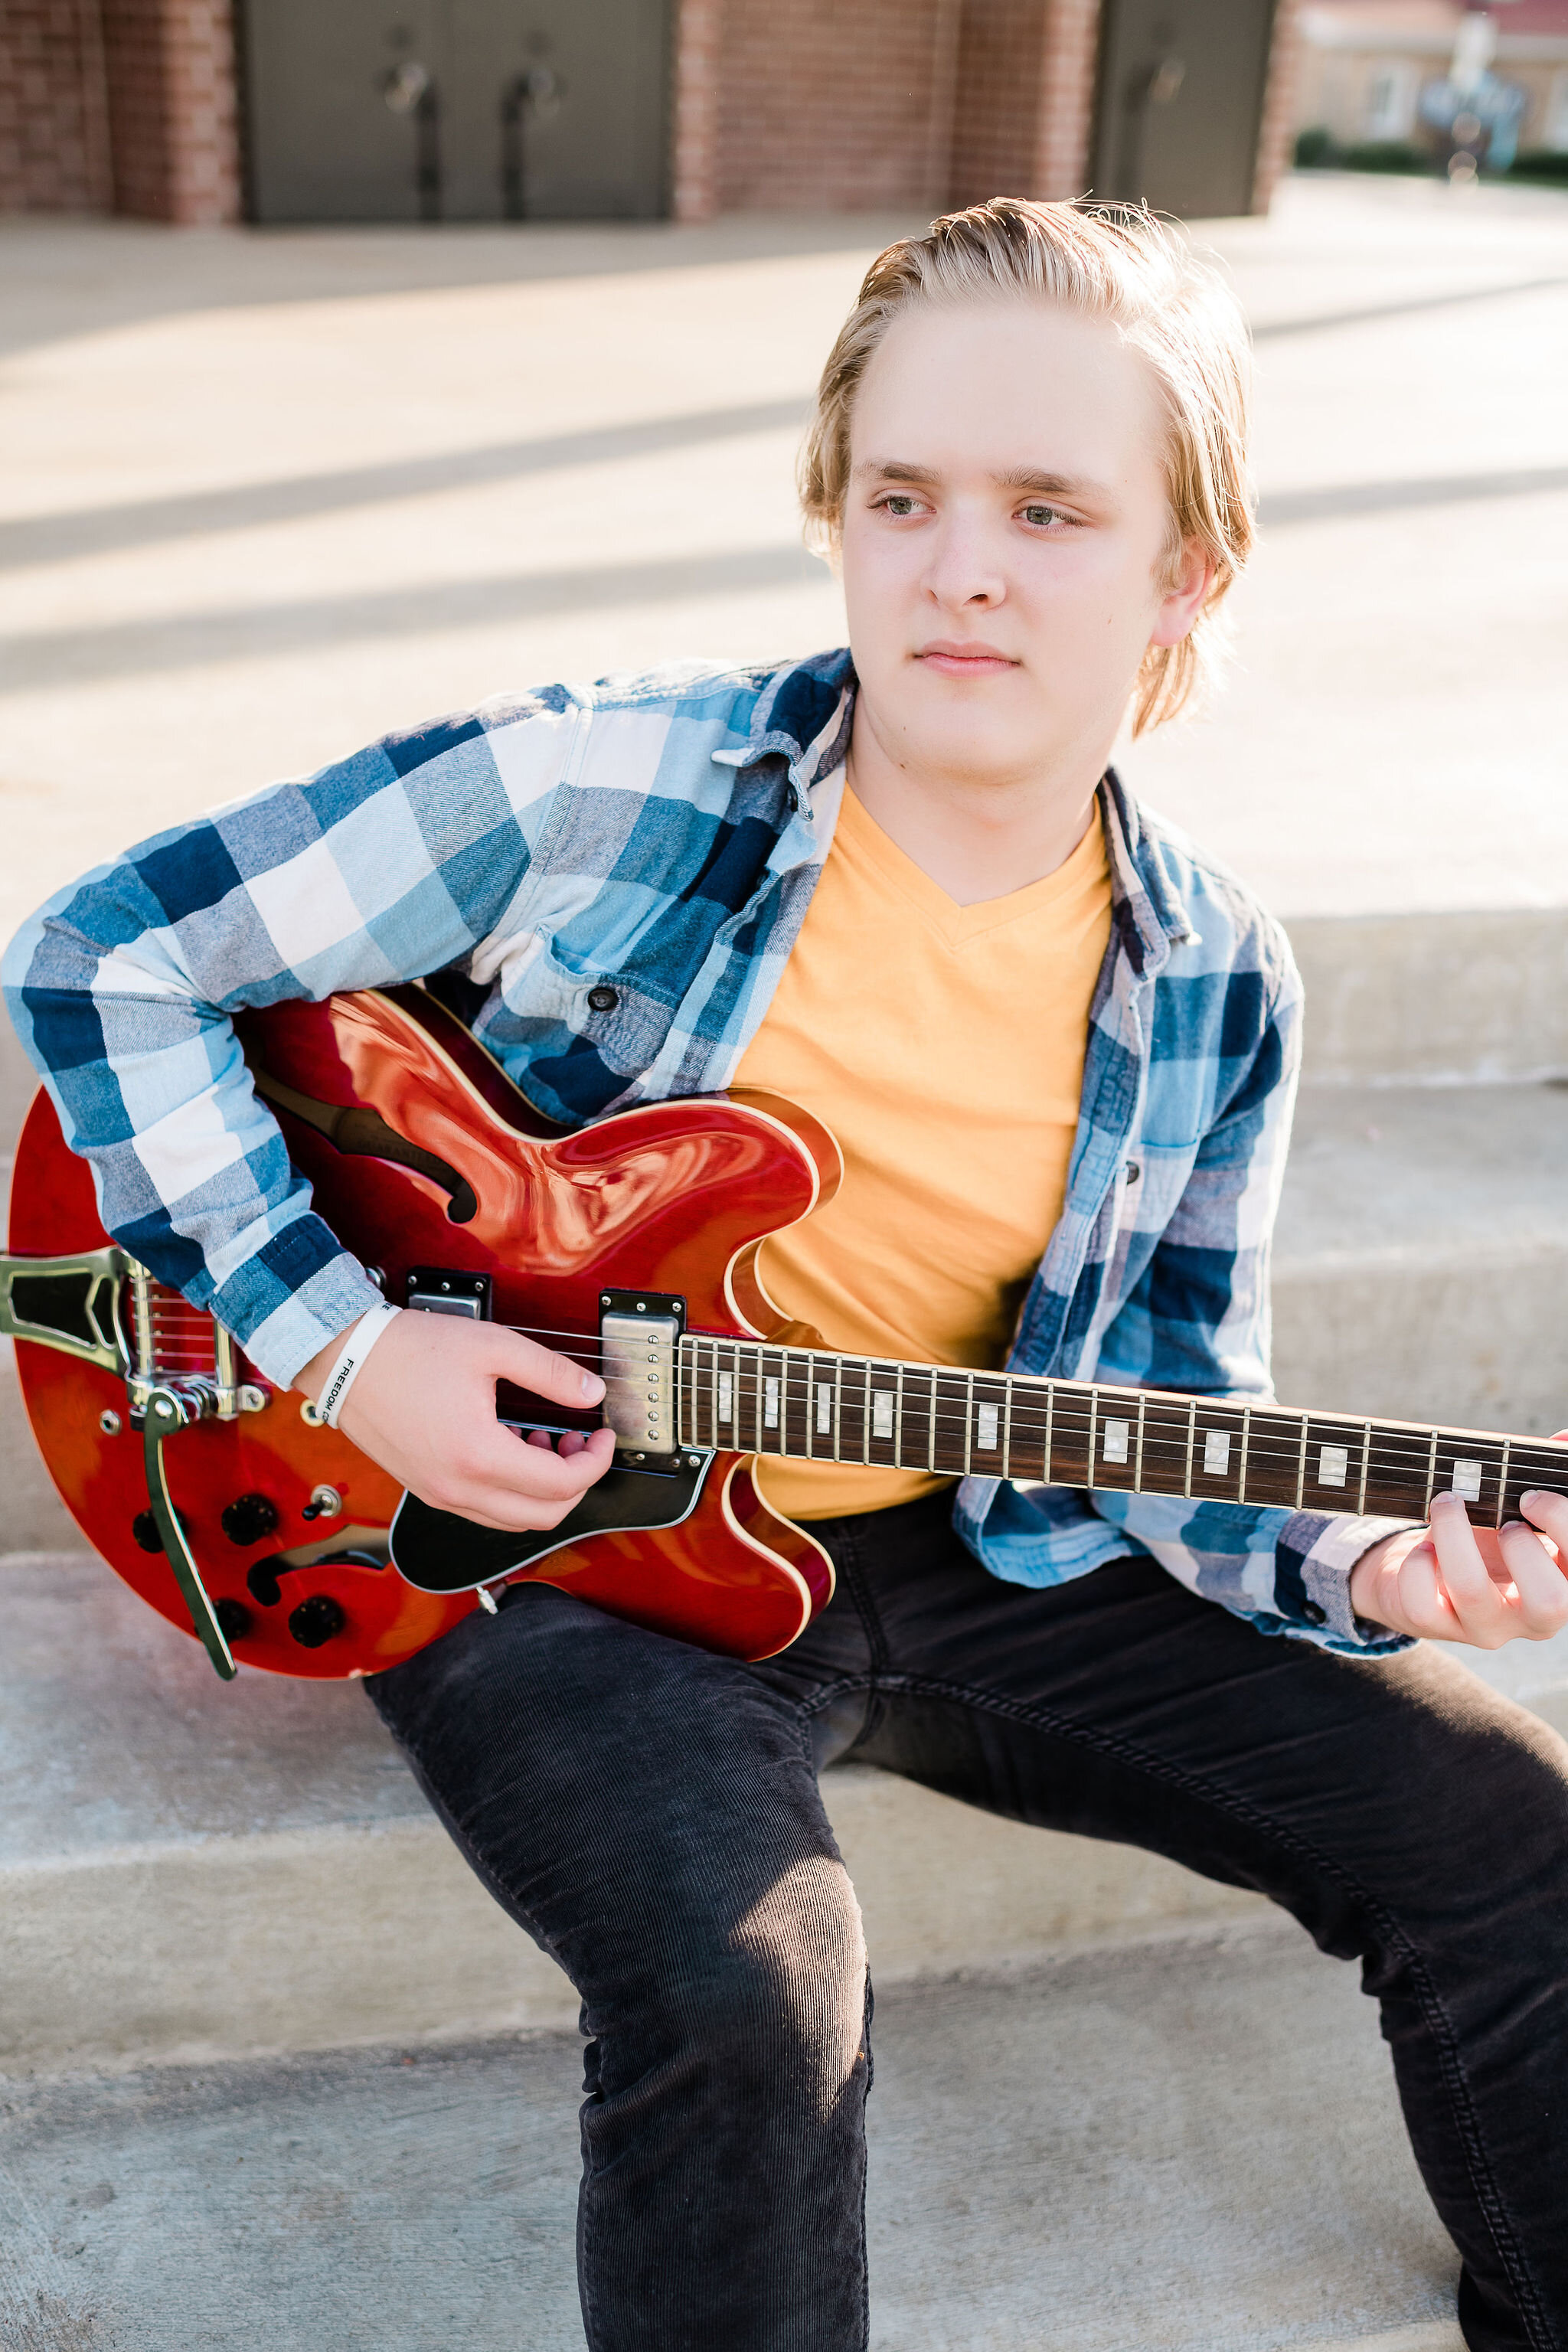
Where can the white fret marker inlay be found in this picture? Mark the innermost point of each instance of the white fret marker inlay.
(1113, 1445)
(1468, 1480)
(986, 1418)
(770, 1404)
(825, 1408)
(726, 1396)
(882, 1411)
(1333, 1464)
(1216, 1453)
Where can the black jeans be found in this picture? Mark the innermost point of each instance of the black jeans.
(650, 1814)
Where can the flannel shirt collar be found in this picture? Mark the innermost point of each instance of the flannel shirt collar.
(803, 716)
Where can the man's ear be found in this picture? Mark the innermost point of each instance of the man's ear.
(1182, 604)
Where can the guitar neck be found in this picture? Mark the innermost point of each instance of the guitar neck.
(743, 1396)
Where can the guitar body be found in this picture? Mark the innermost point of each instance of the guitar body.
(672, 1198)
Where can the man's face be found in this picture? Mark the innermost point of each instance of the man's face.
(1005, 522)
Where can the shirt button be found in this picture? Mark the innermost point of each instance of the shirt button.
(603, 1000)
(793, 797)
(1133, 1171)
(1312, 1613)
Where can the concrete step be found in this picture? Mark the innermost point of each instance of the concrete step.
(1422, 1255)
(192, 1871)
(1461, 996)
(1193, 2146)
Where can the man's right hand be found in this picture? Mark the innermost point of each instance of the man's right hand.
(424, 1406)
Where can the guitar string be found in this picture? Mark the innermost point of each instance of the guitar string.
(1267, 1449)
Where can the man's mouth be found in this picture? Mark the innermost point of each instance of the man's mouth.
(955, 658)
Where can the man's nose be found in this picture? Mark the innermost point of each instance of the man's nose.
(964, 568)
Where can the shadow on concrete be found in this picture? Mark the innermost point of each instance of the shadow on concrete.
(1343, 500)
(142, 522)
(239, 632)
(63, 278)
(189, 640)
(1272, 330)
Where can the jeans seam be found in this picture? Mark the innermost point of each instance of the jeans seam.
(1488, 2196)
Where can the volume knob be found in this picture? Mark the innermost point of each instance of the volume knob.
(249, 1520)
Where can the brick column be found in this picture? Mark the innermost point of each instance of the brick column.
(1275, 131)
(54, 148)
(172, 113)
(1066, 120)
(694, 129)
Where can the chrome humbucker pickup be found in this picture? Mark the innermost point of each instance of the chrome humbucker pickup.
(639, 1342)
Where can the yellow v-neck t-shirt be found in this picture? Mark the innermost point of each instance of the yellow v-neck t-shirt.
(944, 1046)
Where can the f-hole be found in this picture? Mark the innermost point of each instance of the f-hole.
(363, 1134)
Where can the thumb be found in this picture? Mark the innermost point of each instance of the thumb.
(543, 1372)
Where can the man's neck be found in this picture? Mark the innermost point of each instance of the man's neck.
(976, 839)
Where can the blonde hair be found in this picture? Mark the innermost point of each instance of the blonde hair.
(1117, 263)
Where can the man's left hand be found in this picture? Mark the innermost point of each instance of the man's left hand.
(1455, 1582)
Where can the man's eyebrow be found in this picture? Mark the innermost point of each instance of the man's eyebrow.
(892, 469)
(1033, 481)
(1076, 487)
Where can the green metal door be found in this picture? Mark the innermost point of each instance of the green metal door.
(456, 109)
(1181, 102)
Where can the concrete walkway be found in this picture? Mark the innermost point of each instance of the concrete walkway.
(269, 495)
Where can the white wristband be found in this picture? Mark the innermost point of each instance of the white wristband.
(349, 1361)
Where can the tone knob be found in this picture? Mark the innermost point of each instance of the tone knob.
(316, 1621)
(249, 1520)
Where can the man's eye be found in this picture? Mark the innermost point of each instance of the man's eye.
(898, 503)
(1040, 515)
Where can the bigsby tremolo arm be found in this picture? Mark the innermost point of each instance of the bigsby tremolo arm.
(82, 1306)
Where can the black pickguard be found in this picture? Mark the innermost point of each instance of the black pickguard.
(439, 1552)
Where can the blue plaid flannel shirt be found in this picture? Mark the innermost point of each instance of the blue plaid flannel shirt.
(664, 834)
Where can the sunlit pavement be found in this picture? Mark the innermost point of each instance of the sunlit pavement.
(269, 494)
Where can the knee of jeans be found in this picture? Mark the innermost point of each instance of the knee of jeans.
(786, 2000)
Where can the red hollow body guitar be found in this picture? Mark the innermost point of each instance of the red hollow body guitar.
(230, 1509)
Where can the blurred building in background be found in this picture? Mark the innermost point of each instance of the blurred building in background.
(276, 110)
(1392, 84)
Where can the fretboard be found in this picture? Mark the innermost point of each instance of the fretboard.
(743, 1396)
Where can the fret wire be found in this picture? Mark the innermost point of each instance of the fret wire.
(866, 1415)
(930, 1431)
(1404, 1455)
(1138, 1453)
(1007, 1428)
(1246, 1436)
(838, 1408)
(968, 1421)
(1093, 1410)
(1191, 1434)
(1301, 1459)
(1431, 1473)
(899, 1417)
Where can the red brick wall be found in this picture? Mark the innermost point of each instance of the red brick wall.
(1000, 72)
(1066, 99)
(1277, 134)
(172, 118)
(53, 143)
(694, 127)
(834, 105)
(1025, 99)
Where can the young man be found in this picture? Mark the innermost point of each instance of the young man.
(1058, 1046)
